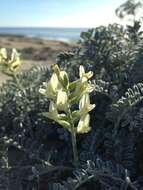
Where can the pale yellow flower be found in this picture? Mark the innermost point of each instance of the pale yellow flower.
(64, 79)
(50, 88)
(14, 62)
(84, 108)
(62, 76)
(54, 82)
(53, 113)
(83, 125)
(9, 65)
(84, 76)
(84, 104)
(3, 54)
(82, 85)
(62, 100)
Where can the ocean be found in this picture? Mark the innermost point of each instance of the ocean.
(60, 34)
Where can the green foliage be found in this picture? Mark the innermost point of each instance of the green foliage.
(130, 10)
(102, 175)
(130, 7)
(125, 103)
(110, 52)
(36, 152)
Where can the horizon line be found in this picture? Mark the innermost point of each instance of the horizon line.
(47, 27)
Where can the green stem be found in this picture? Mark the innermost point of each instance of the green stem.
(73, 139)
(74, 146)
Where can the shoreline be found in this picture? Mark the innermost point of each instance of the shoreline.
(60, 39)
(66, 34)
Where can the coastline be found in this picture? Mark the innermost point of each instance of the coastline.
(65, 34)
(34, 51)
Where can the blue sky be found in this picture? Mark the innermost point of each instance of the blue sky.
(58, 13)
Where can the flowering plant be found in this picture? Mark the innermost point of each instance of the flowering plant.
(63, 95)
(8, 64)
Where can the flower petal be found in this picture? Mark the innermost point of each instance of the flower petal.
(54, 82)
(84, 104)
(62, 99)
(81, 71)
(3, 53)
(83, 125)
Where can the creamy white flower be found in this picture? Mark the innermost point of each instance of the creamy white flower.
(84, 104)
(64, 79)
(14, 55)
(62, 100)
(3, 54)
(82, 85)
(14, 62)
(50, 88)
(84, 76)
(53, 113)
(62, 74)
(59, 118)
(83, 125)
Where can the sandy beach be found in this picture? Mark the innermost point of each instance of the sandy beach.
(33, 51)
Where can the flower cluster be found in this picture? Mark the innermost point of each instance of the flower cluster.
(9, 64)
(64, 94)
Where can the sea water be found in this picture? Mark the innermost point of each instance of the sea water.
(60, 34)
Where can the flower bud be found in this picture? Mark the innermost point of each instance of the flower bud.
(56, 69)
(64, 78)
